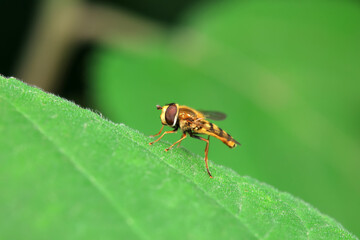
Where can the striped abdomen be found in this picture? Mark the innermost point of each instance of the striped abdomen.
(213, 130)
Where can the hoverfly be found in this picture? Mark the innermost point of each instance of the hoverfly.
(193, 122)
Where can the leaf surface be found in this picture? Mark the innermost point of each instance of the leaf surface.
(66, 172)
(285, 73)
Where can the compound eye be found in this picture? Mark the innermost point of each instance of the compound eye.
(170, 114)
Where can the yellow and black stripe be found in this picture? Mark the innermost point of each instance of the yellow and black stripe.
(215, 131)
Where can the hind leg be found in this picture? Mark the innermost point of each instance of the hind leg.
(206, 151)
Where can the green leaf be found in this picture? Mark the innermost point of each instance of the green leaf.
(67, 172)
(285, 72)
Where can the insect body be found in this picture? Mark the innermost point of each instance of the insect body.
(193, 123)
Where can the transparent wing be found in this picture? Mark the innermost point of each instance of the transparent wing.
(214, 115)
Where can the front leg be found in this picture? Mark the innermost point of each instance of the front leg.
(158, 132)
(178, 141)
(173, 131)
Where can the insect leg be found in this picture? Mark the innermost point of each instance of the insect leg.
(206, 150)
(179, 141)
(174, 131)
(158, 132)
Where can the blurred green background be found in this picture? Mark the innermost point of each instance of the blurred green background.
(286, 73)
